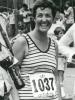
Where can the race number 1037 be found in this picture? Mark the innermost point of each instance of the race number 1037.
(43, 84)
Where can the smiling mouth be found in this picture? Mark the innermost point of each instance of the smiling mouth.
(44, 26)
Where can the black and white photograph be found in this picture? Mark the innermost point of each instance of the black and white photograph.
(37, 49)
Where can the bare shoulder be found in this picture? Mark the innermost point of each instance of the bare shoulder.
(19, 46)
(19, 39)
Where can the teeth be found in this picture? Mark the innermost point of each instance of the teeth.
(44, 25)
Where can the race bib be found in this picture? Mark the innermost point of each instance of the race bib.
(43, 84)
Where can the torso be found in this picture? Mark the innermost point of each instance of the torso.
(35, 62)
(34, 50)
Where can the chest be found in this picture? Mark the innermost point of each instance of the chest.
(36, 57)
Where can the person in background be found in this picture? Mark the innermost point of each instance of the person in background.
(32, 22)
(12, 24)
(69, 14)
(25, 12)
(65, 41)
(68, 51)
(59, 15)
(59, 21)
(24, 7)
(59, 32)
(20, 24)
(8, 90)
(37, 54)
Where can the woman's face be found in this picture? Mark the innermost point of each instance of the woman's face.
(43, 19)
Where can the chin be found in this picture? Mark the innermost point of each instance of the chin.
(44, 30)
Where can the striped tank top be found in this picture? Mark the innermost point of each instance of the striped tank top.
(36, 61)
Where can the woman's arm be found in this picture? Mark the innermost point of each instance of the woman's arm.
(19, 48)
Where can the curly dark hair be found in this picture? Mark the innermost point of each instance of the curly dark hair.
(44, 4)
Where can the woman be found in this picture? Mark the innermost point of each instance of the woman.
(37, 55)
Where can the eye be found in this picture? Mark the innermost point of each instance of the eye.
(48, 15)
(39, 15)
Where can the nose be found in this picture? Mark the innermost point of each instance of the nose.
(44, 19)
